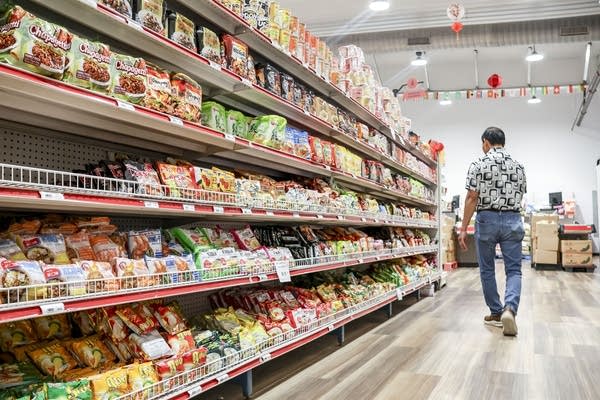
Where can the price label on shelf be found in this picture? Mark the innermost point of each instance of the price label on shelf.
(175, 120)
(270, 214)
(151, 204)
(222, 378)
(195, 391)
(330, 327)
(378, 258)
(283, 271)
(247, 82)
(361, 260)
(319, 216)
(246, 211)
(52, 308)
(376, 221)
(215, 65)
(327, 167)
(125, 105)
(307, 113)
(265, 357)
(429, 279)
(296, 215)
(218, 210)
(363, 219)
(230, 137)
(134, 24)
(91, 3)
(263, 277)
(51, 196)
(189, 207)
(341, 217)
(399, 294)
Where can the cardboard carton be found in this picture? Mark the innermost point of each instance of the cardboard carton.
(553, 219)
(545, 257)
(576, 246)
(574, 259)
(544, 228)
(546, 242)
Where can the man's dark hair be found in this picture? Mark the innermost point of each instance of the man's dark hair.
(411, 133)
(494, 135)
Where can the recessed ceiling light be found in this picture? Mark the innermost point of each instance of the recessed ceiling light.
(445, 102)
(533, 55)
(379, 5)
(534, 100)
(419, 61)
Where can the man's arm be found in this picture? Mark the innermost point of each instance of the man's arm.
(470, 206)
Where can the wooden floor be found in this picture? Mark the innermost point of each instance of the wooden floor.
(439, 349)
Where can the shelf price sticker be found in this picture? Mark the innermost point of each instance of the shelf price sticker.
(151, 204)
(270, 214)
(263, 278)
(218, 210)
(215, 65)
(330, 327)
(246, 211)
(125, 105)
(247, 82)
(363, 219)
(283, 271)
(230, 137)
(52, 308)
(51, 196)
(296, 215)
(175, 120)
(195, 391)
(222, 378)
(265, 357)
(189, 207)
(361, 260)
(91, 3)
(341, 217)
(319, 216)
(399, 294)
(134, 24)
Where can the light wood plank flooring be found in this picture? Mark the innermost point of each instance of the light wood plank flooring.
(439, 349)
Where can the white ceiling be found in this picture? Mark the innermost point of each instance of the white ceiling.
(343, 17)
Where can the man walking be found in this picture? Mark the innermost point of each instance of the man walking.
(495, 187)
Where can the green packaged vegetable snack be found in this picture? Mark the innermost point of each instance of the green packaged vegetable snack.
(236, 124)
(214, 116)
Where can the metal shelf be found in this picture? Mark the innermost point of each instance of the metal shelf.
(218, 83)
(25, 302)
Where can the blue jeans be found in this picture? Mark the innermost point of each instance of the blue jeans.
(504, 228)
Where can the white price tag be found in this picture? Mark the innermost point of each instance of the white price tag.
(361, 261)
(91, 3)
(175, 120)
(363, 219)
(306, 112)
(230, 137)
(222, 378)
(305, 65)
(215, 65)
(51, 196)
(429, 279)
(296, 215)
(124, 105)
(377, 258)
(263, 277)
(327, 167)
(265, 357)
(189, 207)
(246, 211)
(376, 221)
(195, 391)
(319, 216)
(330, 327)
(247, 82)
(341, 217)
(283, 271)
(270, 214)
(134, 24)
(399, 294)
(218, 210)
(52, 308)
(151, 204)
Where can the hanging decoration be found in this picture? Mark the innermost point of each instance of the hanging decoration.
(456, 12)
(495, 93)
(495, 81)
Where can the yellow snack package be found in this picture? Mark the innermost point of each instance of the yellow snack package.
(15, 334)
(92, 352)
(143, 376)
(111, 384)
(53, 360)
(52, 327)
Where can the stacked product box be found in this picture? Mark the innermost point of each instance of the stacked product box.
(576, 253)
(545, 238)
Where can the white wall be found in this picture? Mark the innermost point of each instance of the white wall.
(555, 159)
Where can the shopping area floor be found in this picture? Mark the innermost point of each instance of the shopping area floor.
(439, 348)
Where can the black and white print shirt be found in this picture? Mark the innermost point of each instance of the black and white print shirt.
(500, 181)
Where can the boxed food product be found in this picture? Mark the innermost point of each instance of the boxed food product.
(121, 6)
(214, 116)
(545, 257)
(129, 76)
(576, 246)
(209, 45)
(187, 95)
(302, 145)
(89, 65)
(33, 44)
(151, 14)
(182, 30)
(159, 93)
(236, 124)
(18, 375)
(170, 317)
(577, 259)
(236, 53)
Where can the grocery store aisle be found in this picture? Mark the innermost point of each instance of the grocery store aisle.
(440, 349)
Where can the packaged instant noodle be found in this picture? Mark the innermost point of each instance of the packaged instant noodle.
(14, 274)
(214, 116)
(236, 53)
(209, 45)
(79, 247)
(121, 6)
(187, 95)
(151, 14)
(159, 93)
(178, 178)
(129, 75)
(182, 30)
(50, 249)
(33, 44)
(89, 65)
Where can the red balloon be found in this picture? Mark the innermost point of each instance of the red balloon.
(494, 81)
(457, 27)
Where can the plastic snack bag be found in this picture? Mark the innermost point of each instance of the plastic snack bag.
(92, 352)
(181, 30)
(170, 317)
(53, 360)
(150, 347)
(101, 276)
(18, 333)
(145, 243)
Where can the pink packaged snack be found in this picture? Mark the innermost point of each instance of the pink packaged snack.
(245, 238)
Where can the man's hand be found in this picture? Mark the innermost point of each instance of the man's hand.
(462, 240)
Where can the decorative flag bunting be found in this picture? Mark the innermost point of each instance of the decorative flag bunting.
(499, 93)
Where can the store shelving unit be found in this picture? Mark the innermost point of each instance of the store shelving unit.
(50, 110)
